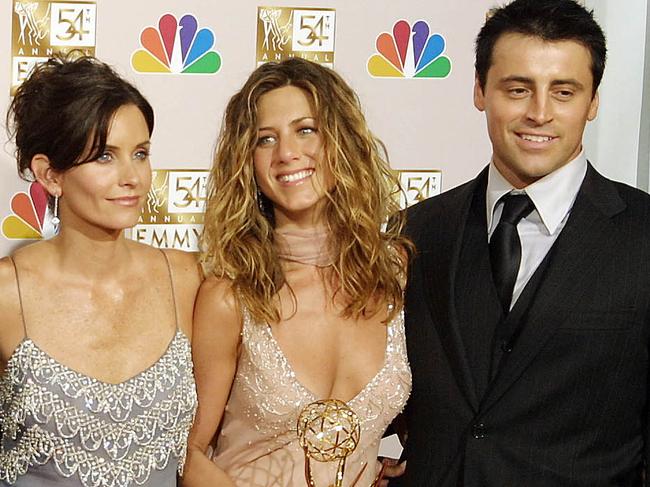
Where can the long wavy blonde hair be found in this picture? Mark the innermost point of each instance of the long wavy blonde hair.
(361, 211)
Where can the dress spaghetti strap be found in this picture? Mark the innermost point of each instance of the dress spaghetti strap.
(171, 283)
(20, 297)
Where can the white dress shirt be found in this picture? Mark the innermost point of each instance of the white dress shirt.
(553, 197)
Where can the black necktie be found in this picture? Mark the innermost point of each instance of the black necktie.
(505, 247)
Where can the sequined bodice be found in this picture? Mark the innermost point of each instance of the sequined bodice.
(258, 444)
(60, 427)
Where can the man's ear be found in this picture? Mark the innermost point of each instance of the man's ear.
(593, 107)
(479, 97)
(46, 175)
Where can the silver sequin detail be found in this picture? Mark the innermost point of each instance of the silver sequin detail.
(106, 434)
(274, 397)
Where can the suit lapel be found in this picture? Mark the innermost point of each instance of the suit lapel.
(588, 233)
(439, 265)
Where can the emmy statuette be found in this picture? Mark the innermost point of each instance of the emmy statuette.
(328, 431)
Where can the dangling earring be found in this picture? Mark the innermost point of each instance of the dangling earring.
(259, 197)
(55, 219)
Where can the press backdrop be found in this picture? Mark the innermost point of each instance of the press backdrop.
(411, 62)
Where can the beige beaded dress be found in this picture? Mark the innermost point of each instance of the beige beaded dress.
(258, 444)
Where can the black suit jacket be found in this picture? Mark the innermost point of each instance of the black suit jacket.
(569, 407)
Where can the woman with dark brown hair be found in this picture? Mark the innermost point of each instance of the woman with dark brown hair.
(96, 386)
(303, 299)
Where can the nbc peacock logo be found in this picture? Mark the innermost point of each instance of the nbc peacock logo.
(177, 47)
(409, 52)
(29, 219)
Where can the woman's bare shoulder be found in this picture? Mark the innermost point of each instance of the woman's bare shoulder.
(30, 258)
(217, 309)
(218, 294)
(11, 325)
(185, 267)
(7, 276)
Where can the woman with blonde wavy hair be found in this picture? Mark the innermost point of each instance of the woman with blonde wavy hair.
(303, 299)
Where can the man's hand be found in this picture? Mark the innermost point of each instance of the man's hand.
(390, 469)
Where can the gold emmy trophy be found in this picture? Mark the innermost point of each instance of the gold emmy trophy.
(328, 431)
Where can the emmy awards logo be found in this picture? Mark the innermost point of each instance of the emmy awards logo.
(328, 431)
(32, 29)
(278, 35)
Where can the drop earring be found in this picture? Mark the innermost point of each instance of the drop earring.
(260, 201)
(55, 219)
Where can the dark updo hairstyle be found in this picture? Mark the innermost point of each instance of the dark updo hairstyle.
(64, 110)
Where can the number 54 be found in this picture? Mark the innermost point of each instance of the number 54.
(75, 24)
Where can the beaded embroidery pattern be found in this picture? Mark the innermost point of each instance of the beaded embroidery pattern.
(107, 434)
(274, 397)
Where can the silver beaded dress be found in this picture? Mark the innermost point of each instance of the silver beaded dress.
(62, 428)
(258, 445)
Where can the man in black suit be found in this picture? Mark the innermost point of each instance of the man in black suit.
(527, 309)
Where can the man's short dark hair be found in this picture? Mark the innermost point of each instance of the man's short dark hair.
(550, 20)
